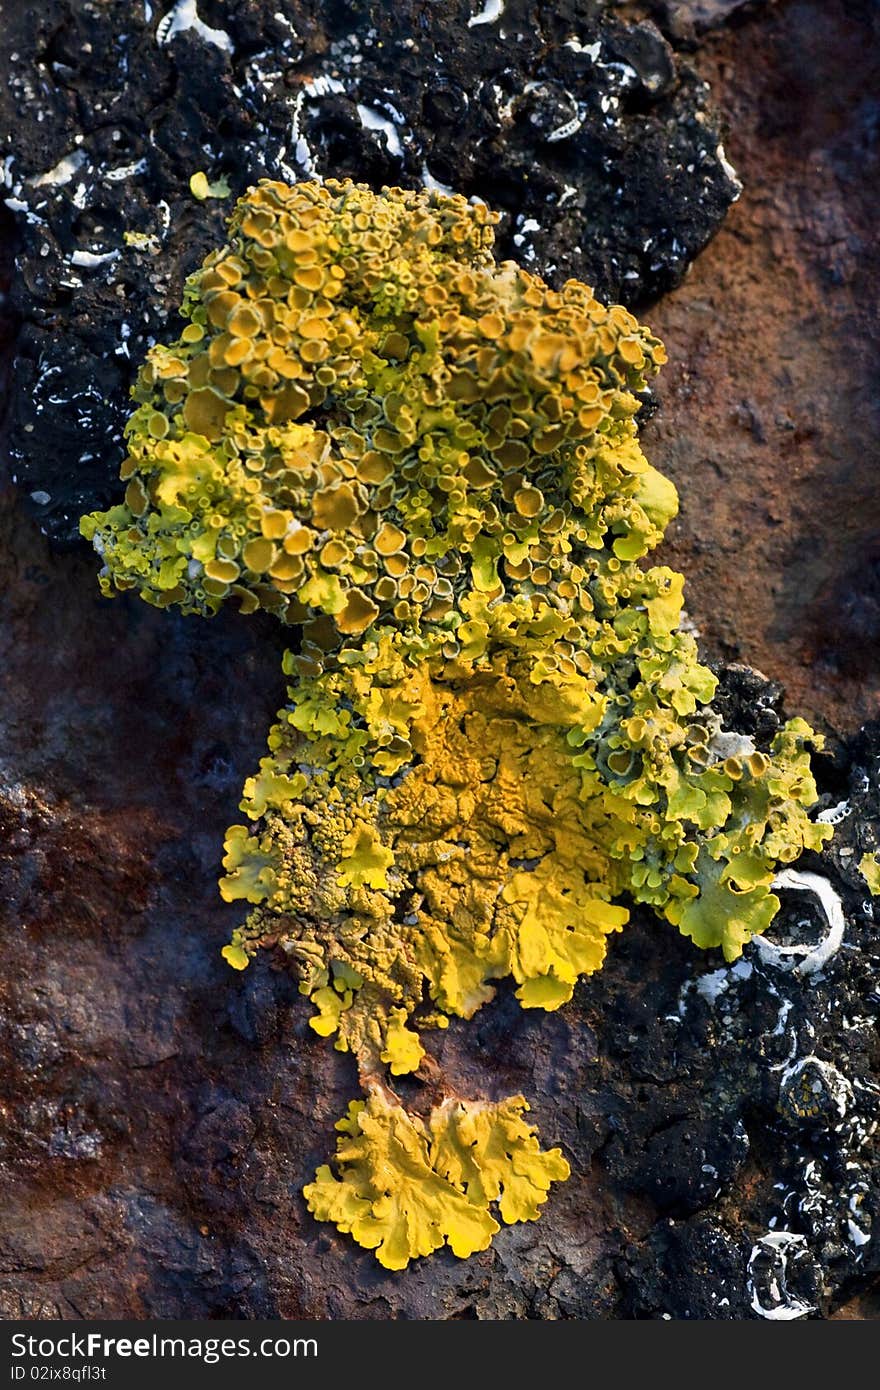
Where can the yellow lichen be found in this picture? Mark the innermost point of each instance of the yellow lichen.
(235, 955)
(496, 725)
(869, 868)
(463, 408)
(200, 187)
(406, 1187)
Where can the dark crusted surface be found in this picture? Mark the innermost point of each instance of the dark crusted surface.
(686, 20)
(159, 1115)
(597, 144)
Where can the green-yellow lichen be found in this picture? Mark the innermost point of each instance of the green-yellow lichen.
(869, 868)
(496, 725)
(201, 188)
(408, 1186)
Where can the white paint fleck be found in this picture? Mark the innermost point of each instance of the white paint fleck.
(492, 10)
(433, 185)
(322, 86)
(524, 228)
(185, 16)
(63, 171)
(565, 132)
(728, 168)
(710, 986)
(856, 1234)
(805, 959)
(374, 120)
(91, 259)
(591, 50)
(785, 1009)
(19, 205)
(125, 171)
(319, 86)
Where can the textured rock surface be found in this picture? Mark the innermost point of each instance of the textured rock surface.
(159, 1115)
(684, 20)
(770, 410)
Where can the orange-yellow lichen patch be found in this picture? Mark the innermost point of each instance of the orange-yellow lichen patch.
(496, 724)
(407, 1187)
(446, 399)
(471, 818)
